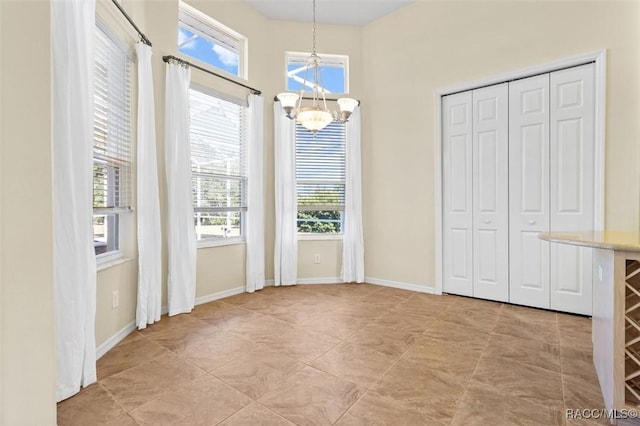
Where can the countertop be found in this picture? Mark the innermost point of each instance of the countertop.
(612, 240)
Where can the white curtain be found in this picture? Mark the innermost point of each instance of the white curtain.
(255, 196)
(352, 239)
(182, 235)
(148, 205)
(286, 244)
(72, 32)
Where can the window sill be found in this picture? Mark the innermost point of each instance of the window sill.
(109, 263)
(319, 237)
(221, 243)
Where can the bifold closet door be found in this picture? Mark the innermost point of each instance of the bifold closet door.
(457, 224)
(491, 192)
(529, 191)
(572, 180)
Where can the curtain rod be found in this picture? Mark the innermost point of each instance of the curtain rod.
(143, 38)
(169, 58)
(306, 98)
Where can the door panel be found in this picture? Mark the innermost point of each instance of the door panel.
(534, 168)
(529, 191)
(571, 170)
(491, 192)
(457, 272)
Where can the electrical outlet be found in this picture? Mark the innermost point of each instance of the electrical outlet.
(115, 299)
(316, 258)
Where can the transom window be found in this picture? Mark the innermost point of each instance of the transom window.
(218, 165)
(334, 70)
(320, 179)
(209, 41)
(111, 140)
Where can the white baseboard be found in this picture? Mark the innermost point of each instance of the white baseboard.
(324, 280)
(115, 339)
(124, 332)
(127, 329)
(219, 295)
(403, 286)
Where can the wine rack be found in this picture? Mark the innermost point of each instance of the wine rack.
(632, 332)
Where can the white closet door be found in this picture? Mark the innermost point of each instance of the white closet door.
(457, 194)
(491, 192)
(529, 190)
(572, 178)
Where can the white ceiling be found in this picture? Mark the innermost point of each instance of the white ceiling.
(344, 12)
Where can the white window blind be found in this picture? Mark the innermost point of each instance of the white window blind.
(218, 165)
(112, 125)
(320, 178)
(112, 181)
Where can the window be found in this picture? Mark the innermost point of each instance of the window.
(111, 140)
(218, 166)
(334, 72)
(320, 178)
(207, 40)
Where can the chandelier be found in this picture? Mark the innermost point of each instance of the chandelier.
(317, 116)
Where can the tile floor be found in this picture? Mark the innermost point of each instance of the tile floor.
(347, 354)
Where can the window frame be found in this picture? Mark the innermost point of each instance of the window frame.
(216, 27)
(122, 215)
(326, 58)
(241, 239)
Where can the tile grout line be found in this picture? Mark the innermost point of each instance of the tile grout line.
(375, 382)
(466, 388)
(343, 300)
(564, 396)
(124, 410)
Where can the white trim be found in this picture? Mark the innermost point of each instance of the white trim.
(108, 257)
(208, 21)
(115, 339)
(323, 280)
(573, 61)
(404, 286)
(219, 295)
(212, 242)
(438, 195)
(211, 297)
(112, 341)
(109, 263)
(331, 59)
(318, 237)
(600, 59)
(600, 118)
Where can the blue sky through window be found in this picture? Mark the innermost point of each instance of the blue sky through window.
(331, 78)
(208, 51)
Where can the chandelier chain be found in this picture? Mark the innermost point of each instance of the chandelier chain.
(314, 27)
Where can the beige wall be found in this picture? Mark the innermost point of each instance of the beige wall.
(26, 234)
(442, 44)
(122, 278)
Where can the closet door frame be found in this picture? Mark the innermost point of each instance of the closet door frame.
(599, 58)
